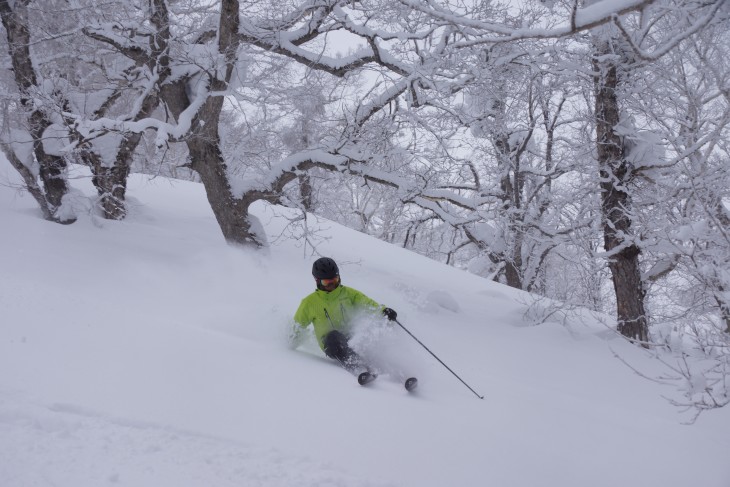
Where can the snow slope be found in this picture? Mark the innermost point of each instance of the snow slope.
(148, 353)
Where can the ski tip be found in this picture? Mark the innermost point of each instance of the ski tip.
(365, 378)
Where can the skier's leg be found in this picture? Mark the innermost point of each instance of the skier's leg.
(336, 347)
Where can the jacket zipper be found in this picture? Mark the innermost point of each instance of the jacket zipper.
(332, 325)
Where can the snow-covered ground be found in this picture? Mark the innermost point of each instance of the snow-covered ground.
(148, 353)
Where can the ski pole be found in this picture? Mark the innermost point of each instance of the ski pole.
(441, 361)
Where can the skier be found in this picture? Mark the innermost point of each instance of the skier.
(330, 309)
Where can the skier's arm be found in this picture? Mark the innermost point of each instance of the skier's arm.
(295, 335)
(298, 325)
(302, 317)
(362, 300)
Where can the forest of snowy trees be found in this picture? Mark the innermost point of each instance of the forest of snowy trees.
(578, 150)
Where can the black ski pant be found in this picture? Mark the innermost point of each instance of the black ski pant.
(336, 347)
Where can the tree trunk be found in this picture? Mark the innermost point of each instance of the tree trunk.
(52, 169)
(512, 274)
(206, 159)
(511, 202)
(724, 312)
(111, 183)
(616, 203)
(306, 191)
(230, 212)
(30, 181)
(203, 140)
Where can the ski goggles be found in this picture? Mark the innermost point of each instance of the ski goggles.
(328, 282)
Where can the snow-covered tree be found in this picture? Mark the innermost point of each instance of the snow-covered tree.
(31, 137)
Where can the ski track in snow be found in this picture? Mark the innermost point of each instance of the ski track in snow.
(79, 447)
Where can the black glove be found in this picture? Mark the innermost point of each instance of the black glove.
(390, 313)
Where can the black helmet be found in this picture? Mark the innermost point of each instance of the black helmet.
(325, 268)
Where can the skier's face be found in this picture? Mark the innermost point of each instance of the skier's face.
(330, 285)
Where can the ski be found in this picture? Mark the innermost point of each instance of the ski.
(366, 378)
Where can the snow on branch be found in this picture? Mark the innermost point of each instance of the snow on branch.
(367, 32)
(367, 110)
(107, 34)
(317, 9)
(276, 38)
(285, 44)
(672, 42)
(483, 32)
(354, 162)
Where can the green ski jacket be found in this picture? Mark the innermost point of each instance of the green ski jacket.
(333, 310)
